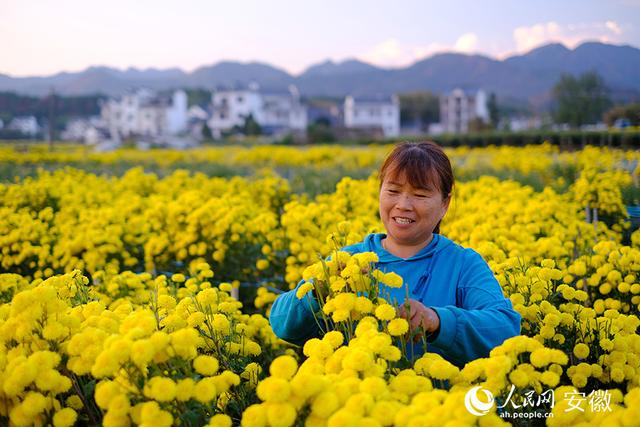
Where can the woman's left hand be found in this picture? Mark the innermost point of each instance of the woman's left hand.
(419, 316)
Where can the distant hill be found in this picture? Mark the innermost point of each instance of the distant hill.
(619, 65)
(230, 74)
(524, 78)
(330, 68)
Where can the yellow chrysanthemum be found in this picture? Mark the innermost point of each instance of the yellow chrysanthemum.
(398, 327)
(283, 367)
(206, 365)
(304, 289)
(385, 312)
(581, 351)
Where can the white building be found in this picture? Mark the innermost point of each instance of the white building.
(94, 136)
(150, 120)
(197, 118)
(143, 113)
(27, 125)
(196, 112)
(518, 124)
(177, 113)
(459, 107)
(231, 108)
(276, 113)
(121, 115)
(88, 130)
(283, 112)
(373, 112)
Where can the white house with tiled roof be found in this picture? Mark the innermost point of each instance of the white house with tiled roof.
(275, 112)
(144, 113)
(381, 112)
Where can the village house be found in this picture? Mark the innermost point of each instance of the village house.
(459, 107)
(88, 130)
(27, 125)
(143, 113)
(276, 113)
(381, 113)
(197, 117)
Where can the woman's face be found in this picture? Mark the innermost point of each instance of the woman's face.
(410, 214)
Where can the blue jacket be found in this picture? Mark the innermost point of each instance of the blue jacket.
(456, 282)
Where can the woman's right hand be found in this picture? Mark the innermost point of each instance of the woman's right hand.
(421, 318)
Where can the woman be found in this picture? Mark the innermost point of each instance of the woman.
(452, 292)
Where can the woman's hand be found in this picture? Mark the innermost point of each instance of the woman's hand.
(419, 316)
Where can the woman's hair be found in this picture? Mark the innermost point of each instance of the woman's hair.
(423, 164)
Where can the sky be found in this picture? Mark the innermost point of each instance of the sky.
(44, 37)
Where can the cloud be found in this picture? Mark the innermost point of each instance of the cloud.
(571, 35)
(613, 26)
(392, 53)
(466, 43)
(389, 52)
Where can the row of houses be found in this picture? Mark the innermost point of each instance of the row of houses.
(146, 115)
(26, 125)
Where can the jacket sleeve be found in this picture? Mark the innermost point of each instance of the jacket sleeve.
(482, 317)
(295, 320)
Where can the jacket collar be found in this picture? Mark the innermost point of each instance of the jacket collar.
(374, 244)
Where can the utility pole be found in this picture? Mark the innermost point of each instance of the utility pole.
(52, 100)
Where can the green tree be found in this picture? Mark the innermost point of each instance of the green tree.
(206, 132)
(251, 126)
(492, 106)
(419, 108)
(580, 100)
(630, 112)
(478, 125)
(198, 97)
(320, 131)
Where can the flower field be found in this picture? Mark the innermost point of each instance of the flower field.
(142, 297)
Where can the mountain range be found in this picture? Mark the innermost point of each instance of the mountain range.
(528, 77)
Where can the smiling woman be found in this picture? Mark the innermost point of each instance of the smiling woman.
(415, 191)
(449, 292)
